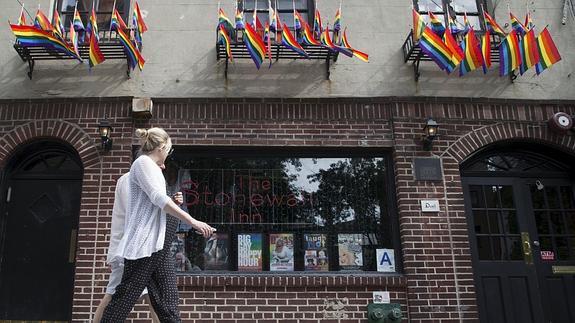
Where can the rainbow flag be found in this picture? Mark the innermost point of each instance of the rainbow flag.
(22, 17)
(418, 25)
(328, 43)
(492, 25)
(78, 24)
(529, 51)
(467, 26)
(297, 20)
(307, 37)
(453, 26)
(134, 56)
(509, 54)
(95, 54)
(29, 36)
(273, 15)
(473, 57)
(548, 53)
(239, 19)
(359, 54)
(117, 23)
(226, 41)
(268, 42)
(290, 42)
(486, 51)
(528, 22)
(256, 23)
(255, 45)
(436, 24)
(58, 27)
(456, 51)
(317, 26)
(435, 49)
(74, 39)
(516, 25)
(93, 24)
(42, 22)
(141, 24)
(225, 21)
(337, 21)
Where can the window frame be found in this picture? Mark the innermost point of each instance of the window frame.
(390, 219)
(124, 13)
(448, 10)
(264, 10)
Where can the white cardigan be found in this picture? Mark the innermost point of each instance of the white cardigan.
(121, 199)
(145, 226)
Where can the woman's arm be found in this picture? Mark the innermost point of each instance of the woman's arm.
(205, 229)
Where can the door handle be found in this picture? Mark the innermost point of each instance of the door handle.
(72, 252)
(526, 245)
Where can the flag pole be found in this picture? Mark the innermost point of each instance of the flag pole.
(277, 14)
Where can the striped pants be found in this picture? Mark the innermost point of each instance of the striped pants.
(156, 272)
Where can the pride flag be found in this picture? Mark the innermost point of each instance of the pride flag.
(528, 22)
(74, 39)
(337, 21)
(467, 26)
(95, 54)
(307, 37)
(516, 25)
(492, 25)
(317, 26)
(32, 36)
(435, 49)
(326, 42)
(58, 27)
(290, 42)
(436, 24)
(141, 24)
(223, 20)
(78, 24)
(359, 54)
(453, 26)
(92, 28)
(548, 53)
(255, 45)
(134, 56)
(22, 17)
(297, 20)
(239, 19)
(42, 22)
(529, 51)
(486, 51)
(226, 41)
(509, 54)
(456, 51)
(418, 25)
(473, 58)
(117, 23)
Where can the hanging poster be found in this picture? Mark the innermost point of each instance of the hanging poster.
(216, 252)
(350, 251)
(250, 252)
(281, 252)
(316, 256)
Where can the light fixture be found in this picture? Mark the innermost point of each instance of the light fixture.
(429, 133)
(105, 130)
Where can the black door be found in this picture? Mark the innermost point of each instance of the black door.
(38, 240)
(522, 236)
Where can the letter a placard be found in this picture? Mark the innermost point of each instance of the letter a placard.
(386, 260)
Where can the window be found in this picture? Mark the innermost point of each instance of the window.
(455, 8)
(273, 212)
(103, 11)
(285, 8)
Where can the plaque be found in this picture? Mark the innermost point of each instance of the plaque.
(427, 169)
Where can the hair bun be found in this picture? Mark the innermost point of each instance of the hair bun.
(142, 133)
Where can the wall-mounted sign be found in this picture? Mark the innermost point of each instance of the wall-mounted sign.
(381, 298)
(547, 255)
(427, 169)
(429, 205)
(385, 260)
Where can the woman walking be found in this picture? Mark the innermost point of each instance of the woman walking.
(147, 237)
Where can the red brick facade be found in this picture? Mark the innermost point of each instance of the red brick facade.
(437, 283)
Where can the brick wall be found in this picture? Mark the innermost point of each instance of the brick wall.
(438, 281)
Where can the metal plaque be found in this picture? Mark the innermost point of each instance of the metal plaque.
(427, 169)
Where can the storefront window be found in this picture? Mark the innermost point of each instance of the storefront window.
(308, 213)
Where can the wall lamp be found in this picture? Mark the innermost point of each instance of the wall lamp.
(105, 130)
(429, 133)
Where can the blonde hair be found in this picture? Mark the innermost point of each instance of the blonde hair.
(151, 139)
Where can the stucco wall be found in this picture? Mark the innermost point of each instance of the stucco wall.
(181, 60)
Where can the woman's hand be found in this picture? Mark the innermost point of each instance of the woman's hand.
(178, 198)
(202, 227)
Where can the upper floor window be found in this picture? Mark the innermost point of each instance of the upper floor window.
(285, 8)
(456, 9)
(103, 11)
